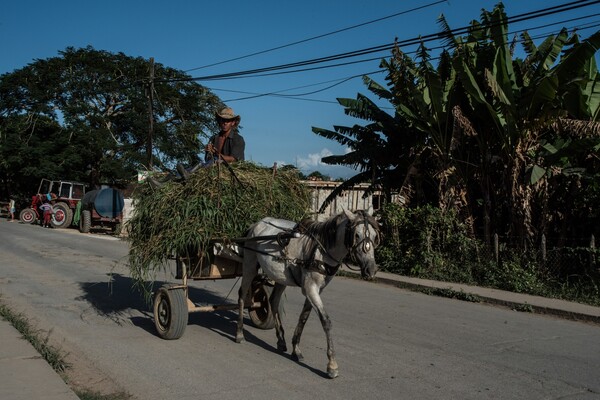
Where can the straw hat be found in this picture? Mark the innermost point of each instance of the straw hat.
(227, 113)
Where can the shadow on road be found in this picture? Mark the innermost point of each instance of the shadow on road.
(119, 300)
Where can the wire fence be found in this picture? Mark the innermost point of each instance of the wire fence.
(561, 263)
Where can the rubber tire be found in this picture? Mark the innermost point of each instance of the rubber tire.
(67, 213)
(85, 221)
(262, 318)
(170, 312)
(28, 216)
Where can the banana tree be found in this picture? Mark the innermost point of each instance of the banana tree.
(396, 153)
(514, 105)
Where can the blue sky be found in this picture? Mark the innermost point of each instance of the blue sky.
(189, 35)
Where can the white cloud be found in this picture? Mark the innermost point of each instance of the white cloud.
(312, 162)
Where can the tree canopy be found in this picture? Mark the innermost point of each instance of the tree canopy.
(85, 116)
(511, 144)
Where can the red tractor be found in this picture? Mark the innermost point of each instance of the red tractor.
(64, 196)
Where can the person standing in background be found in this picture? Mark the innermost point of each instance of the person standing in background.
(11, 209)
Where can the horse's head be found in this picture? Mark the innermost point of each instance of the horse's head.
(361, 238)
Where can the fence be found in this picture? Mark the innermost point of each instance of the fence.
(560, 262)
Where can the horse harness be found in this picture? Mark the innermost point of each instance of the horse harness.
(283, 239)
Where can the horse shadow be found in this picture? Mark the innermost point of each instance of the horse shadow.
(120, 300)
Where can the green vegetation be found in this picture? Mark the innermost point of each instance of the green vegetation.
(499, 137)
(91, 395)
(214, 203)
(53, 355)
(485, 144)
(427, 243)
(511, 145)
(84, 116)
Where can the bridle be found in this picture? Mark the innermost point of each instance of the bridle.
(366, 243)
(349, 242)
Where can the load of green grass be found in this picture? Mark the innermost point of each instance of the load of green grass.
(215, 203)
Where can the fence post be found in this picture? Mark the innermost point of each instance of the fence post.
(543, 248)
(496, 248)
(592, 251)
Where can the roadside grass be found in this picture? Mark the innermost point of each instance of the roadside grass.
(88, 395)
(53, 355)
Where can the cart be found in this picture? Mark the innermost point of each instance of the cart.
(223, 260)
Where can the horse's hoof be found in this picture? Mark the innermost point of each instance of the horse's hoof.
(297, 357)
(332, 373)
(239, 339)
(282, 348)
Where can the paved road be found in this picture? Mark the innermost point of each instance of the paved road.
(391, 343)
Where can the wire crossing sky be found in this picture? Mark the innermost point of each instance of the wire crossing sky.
(280, 66)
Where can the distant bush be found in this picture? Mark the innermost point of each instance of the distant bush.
(427, 243)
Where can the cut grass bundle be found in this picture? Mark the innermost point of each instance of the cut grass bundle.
(218, 202)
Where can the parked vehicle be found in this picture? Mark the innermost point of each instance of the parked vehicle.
(100, 209)
(65, 196)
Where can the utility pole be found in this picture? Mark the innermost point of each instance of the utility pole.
(150, 95)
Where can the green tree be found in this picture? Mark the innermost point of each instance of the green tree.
(515, 106)
(482, 132)
(84, 116)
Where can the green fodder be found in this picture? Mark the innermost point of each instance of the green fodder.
(214, 203)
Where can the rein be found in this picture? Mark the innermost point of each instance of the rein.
(322, 267)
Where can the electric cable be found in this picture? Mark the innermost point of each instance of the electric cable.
(422, 39)
(318, 36)
(590, 25)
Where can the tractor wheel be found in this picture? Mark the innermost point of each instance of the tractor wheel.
(27, 216)
(63, 216)
(85, 221)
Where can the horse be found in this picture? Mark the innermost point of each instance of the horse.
(308, 260)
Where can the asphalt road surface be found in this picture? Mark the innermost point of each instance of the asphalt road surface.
(391, 343)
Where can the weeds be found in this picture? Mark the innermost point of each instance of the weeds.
(427, 243)
(53, 355)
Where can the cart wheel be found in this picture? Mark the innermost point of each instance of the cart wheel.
(170, 312)
(261, 317)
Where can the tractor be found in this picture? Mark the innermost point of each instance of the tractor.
(64, 195)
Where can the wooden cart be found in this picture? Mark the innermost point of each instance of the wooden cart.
(172, 304)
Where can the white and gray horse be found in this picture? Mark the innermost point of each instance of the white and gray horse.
(309, 261)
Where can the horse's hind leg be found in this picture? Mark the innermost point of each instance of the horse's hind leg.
(242, 293)
(250, 269)
(296, 353)
(275, 301)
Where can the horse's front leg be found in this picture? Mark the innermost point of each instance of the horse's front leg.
(296, 353)
(315, 299)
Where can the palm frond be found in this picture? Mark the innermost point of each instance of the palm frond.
(346, 185)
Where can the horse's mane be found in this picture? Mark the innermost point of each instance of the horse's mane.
(324, 232)
(370, 219)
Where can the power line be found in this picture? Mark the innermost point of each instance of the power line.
(589, 25)
(319, 36)
(387, 47)
(255, 75)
